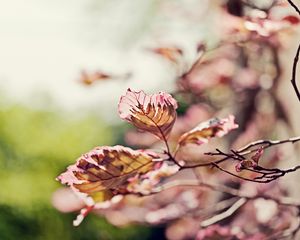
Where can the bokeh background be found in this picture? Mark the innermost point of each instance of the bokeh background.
(48, 118)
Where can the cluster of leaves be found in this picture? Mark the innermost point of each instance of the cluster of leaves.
(107, 171)
(197, 190)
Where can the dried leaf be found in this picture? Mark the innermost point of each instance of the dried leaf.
(154, 113)
(204, 131)
(250, 163)
(170, 53)
(106, 170)
(89, 78)
(245, 164)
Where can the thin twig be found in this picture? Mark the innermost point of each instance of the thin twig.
(225, 214)
(294, 6)
(266, 174)
(265, 144)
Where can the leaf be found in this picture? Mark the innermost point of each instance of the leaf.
(107, 169)
(244, 164)
(259, 152)
(147, 182)
(250, 163)
(291, 19)
(170, 53)
(204, 131)
(90, 78)
(154, 113)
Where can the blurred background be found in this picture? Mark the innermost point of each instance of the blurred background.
(45, 45)
(48, 117)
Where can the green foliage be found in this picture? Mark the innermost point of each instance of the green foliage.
(45, 223)
(35, 146)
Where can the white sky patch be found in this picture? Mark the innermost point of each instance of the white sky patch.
(45, 44)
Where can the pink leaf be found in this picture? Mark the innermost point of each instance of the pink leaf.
(204, 131)
(154, 113)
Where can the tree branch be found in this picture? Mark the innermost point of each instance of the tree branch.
(296, 58)
(266, 174)
(294, 6)
(293, 81)
(216, 218)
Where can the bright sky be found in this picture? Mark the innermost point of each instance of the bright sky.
(45, 43)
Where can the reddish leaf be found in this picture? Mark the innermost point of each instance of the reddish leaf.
(291, 19)
(154, 113)
(257, 155)
(105, 170)
(204, 131)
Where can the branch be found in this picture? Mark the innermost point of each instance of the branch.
(266, 177)
(285, 201)
(257, 180)
(293, 81)
(243, 198)
(225, 214)
(294, 6)
(265, 144)
(266, 174)
(296, 58)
